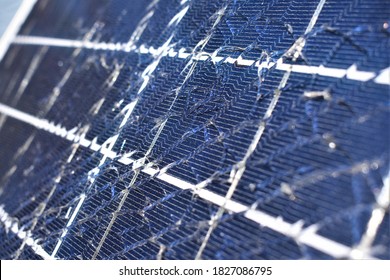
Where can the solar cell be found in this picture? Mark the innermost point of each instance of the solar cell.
(196, 129)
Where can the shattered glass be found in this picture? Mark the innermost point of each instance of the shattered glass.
(196, 129)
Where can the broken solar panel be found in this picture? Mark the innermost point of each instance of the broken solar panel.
(224, 129)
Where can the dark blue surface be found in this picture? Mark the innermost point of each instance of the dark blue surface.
(333, 152)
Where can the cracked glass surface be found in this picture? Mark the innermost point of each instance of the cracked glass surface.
(196, 129)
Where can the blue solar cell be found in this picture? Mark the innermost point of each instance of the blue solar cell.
(167, 129)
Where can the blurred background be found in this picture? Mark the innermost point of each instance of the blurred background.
(7, 10)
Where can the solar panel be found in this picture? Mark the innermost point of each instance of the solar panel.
(196, 129)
